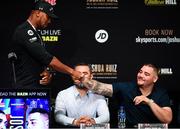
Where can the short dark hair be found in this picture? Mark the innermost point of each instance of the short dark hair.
(40, 110)
(84, 64)
(155, 68)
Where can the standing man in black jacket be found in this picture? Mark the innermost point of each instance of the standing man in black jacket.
(32, 57)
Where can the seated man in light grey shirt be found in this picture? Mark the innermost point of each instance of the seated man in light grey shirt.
(76, 105)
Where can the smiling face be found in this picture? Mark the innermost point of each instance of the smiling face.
(146, 76)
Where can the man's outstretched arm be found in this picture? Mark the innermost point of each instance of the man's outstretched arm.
(98, 87)
(60, 67)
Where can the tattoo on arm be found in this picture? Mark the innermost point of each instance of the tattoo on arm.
(100, 88)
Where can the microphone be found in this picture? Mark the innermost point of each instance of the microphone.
(12, 58)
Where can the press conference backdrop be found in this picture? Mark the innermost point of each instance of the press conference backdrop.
(114, 36)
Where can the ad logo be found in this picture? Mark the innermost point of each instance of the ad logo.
(160, 2)
(101, 36)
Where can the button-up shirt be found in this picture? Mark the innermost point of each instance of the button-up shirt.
(70, 105)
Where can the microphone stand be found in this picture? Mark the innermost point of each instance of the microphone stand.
(14, 72)
(12, 57)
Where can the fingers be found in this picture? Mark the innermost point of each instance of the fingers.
(43, 82)
(140, 99)
(77, 82)
(137, 101)
(76, 122)
(46, 78)
(77, 75)
(88, 121)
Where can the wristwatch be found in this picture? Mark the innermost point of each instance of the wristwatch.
(150, 101)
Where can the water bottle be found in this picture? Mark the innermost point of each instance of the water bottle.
(121, 118)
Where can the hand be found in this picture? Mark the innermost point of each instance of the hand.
(88, 121)
(83, 82)
(138, 99)
(52, 2)
(76, 122)
(87, 82)
(46, 78)
(76, 75)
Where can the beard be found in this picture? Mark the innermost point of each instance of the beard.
(80, 86)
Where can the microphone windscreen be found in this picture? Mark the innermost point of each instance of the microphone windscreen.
(12, 56)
